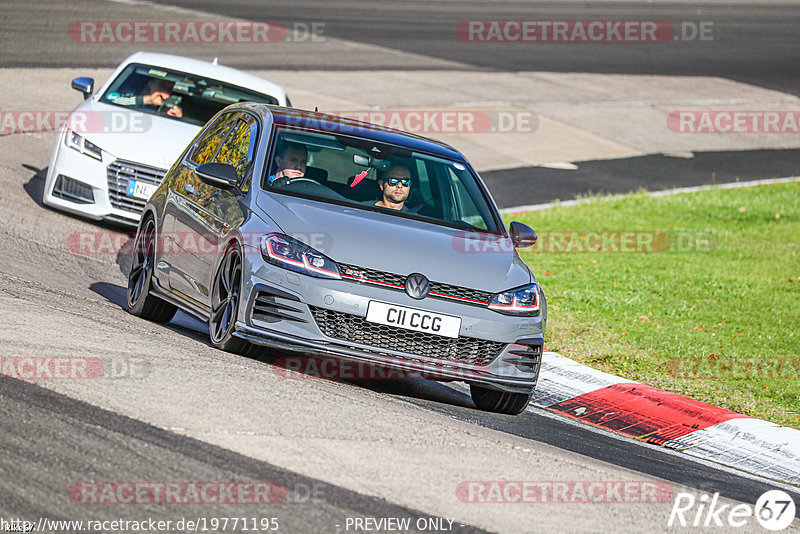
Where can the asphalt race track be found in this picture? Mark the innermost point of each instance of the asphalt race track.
(180, 411)
(628, 175)
(755, 44)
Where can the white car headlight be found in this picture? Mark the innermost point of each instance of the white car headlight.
(521, 301)
(83, 146)
(289, 253)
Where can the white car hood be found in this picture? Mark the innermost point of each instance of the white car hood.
(135, 136)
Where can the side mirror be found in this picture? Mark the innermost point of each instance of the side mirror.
(522, 235)
(84, 85)
(221, 175)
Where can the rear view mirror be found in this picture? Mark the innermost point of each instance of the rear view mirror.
(522, 235)
(221, 175)
(84, 85)
(369, 161)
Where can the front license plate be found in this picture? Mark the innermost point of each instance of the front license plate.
(141, 189)
(411, 319)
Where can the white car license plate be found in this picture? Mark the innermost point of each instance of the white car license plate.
(411, 319)
(141, 189)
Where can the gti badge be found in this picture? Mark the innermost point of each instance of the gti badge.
(354, 273)
(417, 286)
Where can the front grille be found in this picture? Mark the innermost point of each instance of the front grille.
(73, 190)
(372, 275)
(456, 292)
(356, 329)
(439, 290)
(120, 173)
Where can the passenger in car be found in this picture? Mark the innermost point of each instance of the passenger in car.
(291, 160)
(395, 185)
(156, 93)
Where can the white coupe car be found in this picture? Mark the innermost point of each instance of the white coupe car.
(120, 141)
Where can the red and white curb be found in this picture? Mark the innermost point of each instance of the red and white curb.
(666, 419)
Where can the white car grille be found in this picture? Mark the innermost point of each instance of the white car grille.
(120, 173)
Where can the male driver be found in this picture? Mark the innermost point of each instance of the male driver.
(290, 161)
(155, 93)
(395, 185)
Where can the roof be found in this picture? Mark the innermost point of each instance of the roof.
(210, 70)
(323, 122)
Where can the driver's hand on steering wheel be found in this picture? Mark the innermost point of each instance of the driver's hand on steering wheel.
(290, 173)
(156, 98)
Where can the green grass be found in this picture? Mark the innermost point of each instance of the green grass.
(714, 317)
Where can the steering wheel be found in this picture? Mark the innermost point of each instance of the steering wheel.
(420, 207)
(302, 179)
(283, 181)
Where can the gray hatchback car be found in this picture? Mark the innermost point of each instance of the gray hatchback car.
(339, 239)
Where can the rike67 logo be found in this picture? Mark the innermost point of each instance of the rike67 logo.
(774, 510)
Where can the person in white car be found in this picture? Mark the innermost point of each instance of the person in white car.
(156, 93)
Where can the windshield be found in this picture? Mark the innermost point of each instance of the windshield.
(361, 172)
(185, 97)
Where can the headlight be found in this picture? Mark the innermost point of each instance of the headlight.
(289, 253)
(520, 301)
(83, 146)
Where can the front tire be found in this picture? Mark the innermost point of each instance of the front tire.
(225, 296)
(141, 302)
(490, 400)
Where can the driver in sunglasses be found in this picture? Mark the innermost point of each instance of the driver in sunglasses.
(395, 185)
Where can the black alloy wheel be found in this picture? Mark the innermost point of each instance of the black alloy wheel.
(140, 301)
(225, 298)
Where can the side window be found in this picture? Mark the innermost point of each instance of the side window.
(207, 147)
(205, 151)
(239, 147)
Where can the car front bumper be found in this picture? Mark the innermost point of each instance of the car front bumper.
(407, 365)
(283, 309)
(90, 173)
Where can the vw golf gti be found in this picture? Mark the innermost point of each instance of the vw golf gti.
(331, 237)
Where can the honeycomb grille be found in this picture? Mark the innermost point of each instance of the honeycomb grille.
(356, 329)
(73, 190)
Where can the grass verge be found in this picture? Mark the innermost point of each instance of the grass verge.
(694, 293)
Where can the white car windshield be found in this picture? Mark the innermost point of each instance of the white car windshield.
(358, 172)
(179, 95)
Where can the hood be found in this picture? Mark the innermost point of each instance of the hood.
(398, 245)
(135, 136)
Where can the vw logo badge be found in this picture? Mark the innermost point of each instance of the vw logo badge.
(417, 286)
